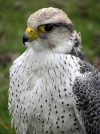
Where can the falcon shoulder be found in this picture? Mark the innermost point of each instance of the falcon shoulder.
(87, 95)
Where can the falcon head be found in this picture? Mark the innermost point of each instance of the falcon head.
(50, 29)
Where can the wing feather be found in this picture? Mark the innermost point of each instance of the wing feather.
(87, 95)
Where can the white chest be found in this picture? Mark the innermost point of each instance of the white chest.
(41, 99)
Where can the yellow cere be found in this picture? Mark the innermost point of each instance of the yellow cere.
(32, 32)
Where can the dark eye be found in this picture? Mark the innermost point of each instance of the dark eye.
(49, 27)
(46, 28)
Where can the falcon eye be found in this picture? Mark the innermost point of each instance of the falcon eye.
(46, 28)
(49, 27)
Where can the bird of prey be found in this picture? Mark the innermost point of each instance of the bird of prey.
(53, 87)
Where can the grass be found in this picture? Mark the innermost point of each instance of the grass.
(5, 125)
(13, 16)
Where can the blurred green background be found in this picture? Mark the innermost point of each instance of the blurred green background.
(85, 16)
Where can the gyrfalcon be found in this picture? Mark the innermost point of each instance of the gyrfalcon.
(53, 88)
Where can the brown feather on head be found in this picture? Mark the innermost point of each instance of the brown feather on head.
(77, 48)
(48, 15)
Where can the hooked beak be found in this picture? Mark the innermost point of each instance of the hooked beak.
(30, 35)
